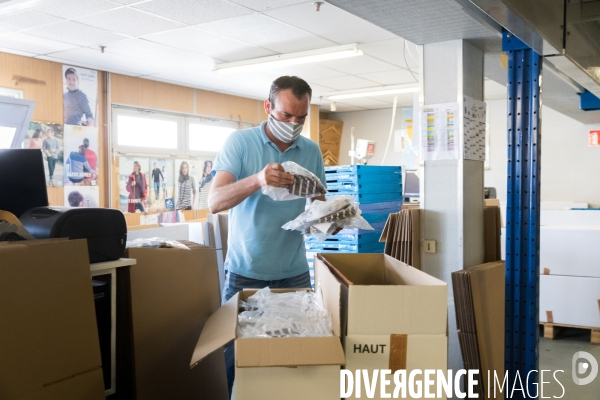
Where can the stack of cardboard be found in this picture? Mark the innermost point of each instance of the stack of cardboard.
(401, 235)
(163, 303)
(479, 302)
(291, 368)
(392, 315)
(492, 221)
(49, 346)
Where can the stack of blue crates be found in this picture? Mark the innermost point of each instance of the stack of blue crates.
(378, 190)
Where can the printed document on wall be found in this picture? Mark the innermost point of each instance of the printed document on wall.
(473, 129)
(439, 132)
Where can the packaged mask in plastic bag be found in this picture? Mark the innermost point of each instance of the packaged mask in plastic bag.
(322, 218)
(156, 242)
(306, 184)
(292, 314)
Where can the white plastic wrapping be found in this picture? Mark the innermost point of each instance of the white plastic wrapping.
(322, 218)
(291, 314)
(306, 184)
(156, 242)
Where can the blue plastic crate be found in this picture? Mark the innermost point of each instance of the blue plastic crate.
(375, 187)
(363, 169)
(362, 238)
(345, 177)
(337, 247)
(390, 206)
(375, 217)
(370, 197)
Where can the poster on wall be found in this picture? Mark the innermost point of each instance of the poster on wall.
(187, 176)
(80, 156)
(474, 118)
(80, 96)
(82, 196)
(205, 184)
(594, 139)
(133, 184)
(49, 139)
(161, 179)
(439, 132)
(411, 146)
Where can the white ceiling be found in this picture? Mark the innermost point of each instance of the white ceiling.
(180, 41)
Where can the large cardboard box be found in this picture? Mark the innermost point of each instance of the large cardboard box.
(49, 346)
(164, 301)
(570, 300)
(393, 316)
(277, 368)
(570, 250)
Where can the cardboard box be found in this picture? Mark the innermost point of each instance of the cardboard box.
(479, 295)
(492, 222)
(49, 343)
(277, 368)
(393, 316)
(570, 300)
(570, 250)
(164, 301)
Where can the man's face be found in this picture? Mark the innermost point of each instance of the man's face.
(154, 165)
(72, 82)
(50, 133)
(288, 108)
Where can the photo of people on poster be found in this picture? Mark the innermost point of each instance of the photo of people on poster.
(80, 95)
(186, 180)
(161, 180)
(49, 139)
(134, 184)
(205, 184)
(81, 196)
(80, 156)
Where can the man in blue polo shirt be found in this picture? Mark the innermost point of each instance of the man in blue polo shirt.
(260, 253)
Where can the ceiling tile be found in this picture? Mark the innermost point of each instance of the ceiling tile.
(262, 5)
(209, 44)
(392, 51)
(26, 20)
(129, 1)
(358, 65)
(341, 107)
(331, 23)
(19, 52)
(266, 32)
(307, 71)
(161, 55)
(4, 31)
(76, 33)
(366, 102)
(80, 64)
(394, 77)
(193, 12)
(347, 82)
(319, 90)
(130, 22)
(108, 62)
(70, 9)
(33, 44)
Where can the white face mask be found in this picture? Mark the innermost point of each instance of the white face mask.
(287, 132)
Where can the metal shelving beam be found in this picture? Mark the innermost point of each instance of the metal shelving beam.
(523, 213)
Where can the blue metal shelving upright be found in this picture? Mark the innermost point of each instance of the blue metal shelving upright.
(522, 213)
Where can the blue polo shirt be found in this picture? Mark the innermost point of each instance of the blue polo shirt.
(258, 247)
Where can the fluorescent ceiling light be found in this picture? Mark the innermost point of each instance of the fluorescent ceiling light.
(284, 60)
(374, 91)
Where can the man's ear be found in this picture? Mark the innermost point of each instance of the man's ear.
(268, 106)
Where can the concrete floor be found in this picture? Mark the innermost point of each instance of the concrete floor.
(558, 354)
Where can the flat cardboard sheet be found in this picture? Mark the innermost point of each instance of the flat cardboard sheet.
(570, 250)
(570, 300)
(49, 339)
(402, 236)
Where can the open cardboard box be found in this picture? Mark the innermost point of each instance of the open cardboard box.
(277, 368)
(393, 316)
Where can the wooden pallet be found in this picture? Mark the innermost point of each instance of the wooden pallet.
(551, 331)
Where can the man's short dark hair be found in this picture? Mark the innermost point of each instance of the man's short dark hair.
(75, 199)
(298, 86)
(86, 143)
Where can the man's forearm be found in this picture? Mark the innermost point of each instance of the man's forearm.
(228, 196)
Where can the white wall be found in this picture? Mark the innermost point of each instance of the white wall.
(570, 169)
(371, 125)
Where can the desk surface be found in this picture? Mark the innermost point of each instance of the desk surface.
(121, 262)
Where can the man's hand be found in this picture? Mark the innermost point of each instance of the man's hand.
(274, 175)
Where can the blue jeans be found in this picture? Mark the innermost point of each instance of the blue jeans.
(156, 190)
(235, 283)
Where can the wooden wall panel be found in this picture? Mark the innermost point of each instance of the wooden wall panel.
(151, 94)
(314, 122)
(226, 106)
(103, 157)
(40, 81)
(56, 196)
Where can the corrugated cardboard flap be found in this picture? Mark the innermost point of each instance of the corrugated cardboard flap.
(218, 330)
(289, 352)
